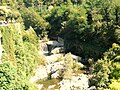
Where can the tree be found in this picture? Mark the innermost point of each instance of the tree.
(108, 68)
(28, 3)
(32, 18)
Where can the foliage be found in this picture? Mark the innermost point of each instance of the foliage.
(70, 66)
(8, 48)
(91, 25)
(108, 68)
(20, 54)
(101, 72)
(31, 18)
(89, 28)
(117, 35)
(83, 20)
(10, 80)
(115, 85)
(9, 14)
(30, 36)
(56, 18)
(7, 76)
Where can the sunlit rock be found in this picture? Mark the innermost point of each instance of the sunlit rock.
(79, 82)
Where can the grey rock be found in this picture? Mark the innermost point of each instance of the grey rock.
(78, 82)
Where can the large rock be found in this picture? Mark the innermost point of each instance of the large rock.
(43, 72)
(54, 43)
(79, 82)
(76, 57)
(52, 68)
(53, 58)
(40, 74)
(57, 50)
(55, 75)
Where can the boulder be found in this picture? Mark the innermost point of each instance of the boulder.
(80, 64)
(55, 75)
(54, 43)
(79, 82)
(40, 74)
(52, 68)
(43, 72)
(76, 57)
(57, 50)
(53, 58)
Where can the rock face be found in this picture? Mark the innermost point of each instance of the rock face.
(79, 82)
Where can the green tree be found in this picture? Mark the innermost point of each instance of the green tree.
(108, 68)
(33, 19)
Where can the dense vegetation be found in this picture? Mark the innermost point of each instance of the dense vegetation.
(18, 59)
(90, 29)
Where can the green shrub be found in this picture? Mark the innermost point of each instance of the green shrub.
(115, 85)
(107, 68)
(32, 18)
(10, 80)
(8, 43)
(7, 76)
(117, 35)
(22, 54)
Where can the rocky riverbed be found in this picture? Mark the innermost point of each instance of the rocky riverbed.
(57, 73)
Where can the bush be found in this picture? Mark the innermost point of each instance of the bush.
(107, 68)
(117, 35)
(10, 80)
(115, 85)
(7, 76)
(32, 18)
(23, 55)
